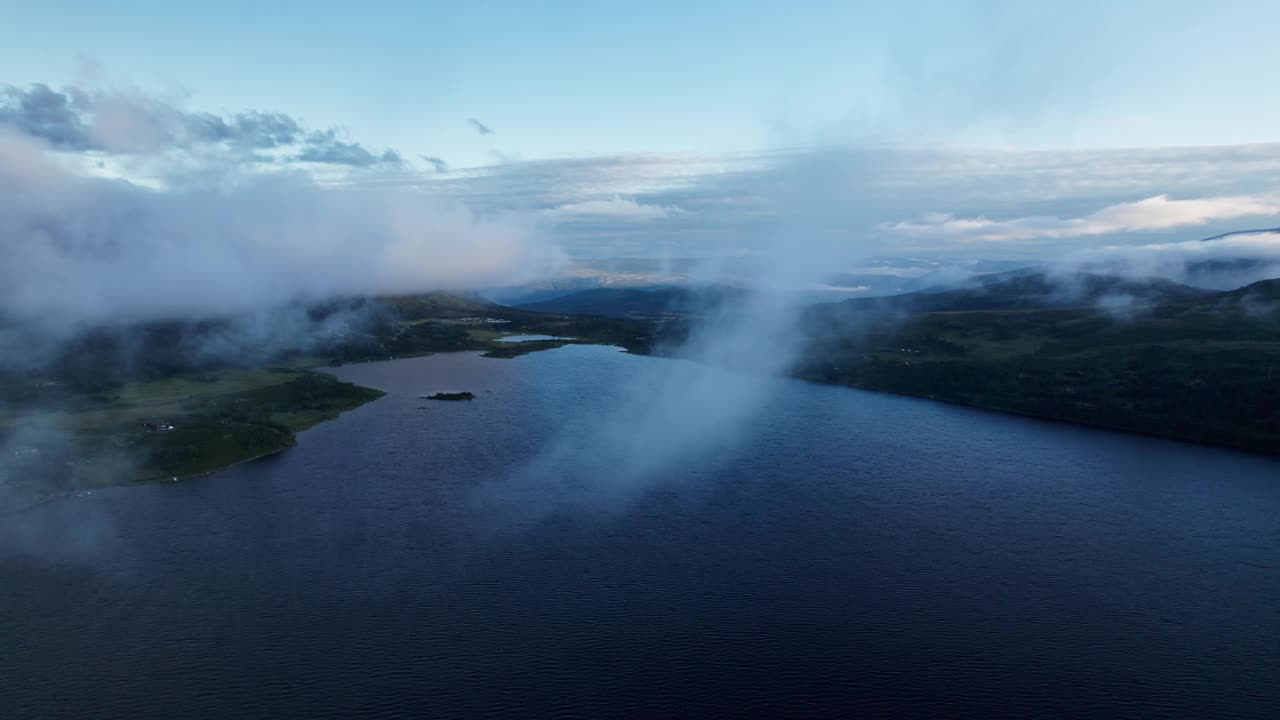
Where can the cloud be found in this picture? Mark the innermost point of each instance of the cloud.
(325, 147)
(83, 250)
(437, 164)
(131, 122)
(615, 208)
(41, 112)
(734, 204)
(480, 127)
(1154, 213)
(1222, 263)
(252, 129)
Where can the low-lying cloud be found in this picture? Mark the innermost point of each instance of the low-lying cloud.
(1153, 213)
(84, 250)
(1223, 263)
(733, 204)
(128, 122)
(614, 208)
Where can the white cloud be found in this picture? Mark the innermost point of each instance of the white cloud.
(615, 208)
(1221, 263)
(1153, 213)
(81, 249)
(736, 203)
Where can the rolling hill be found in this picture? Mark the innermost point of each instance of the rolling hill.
(646, 303)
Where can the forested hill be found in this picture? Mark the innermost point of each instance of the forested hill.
(646, 302)
(1149, 357)
(1025, 289)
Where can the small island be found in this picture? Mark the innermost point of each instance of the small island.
(451, 396)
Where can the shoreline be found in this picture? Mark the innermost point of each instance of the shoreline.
(1234, 447)
(287, 442)
(73, 494)
(1268, 452)
(484, 350)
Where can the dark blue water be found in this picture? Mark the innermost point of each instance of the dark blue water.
(811, 551)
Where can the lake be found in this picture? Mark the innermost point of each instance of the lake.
(605, 535)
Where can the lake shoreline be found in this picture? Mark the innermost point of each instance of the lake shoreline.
(1236, 447)
(1265, 450)
(373, 394)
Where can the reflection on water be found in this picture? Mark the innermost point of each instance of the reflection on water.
(837, 553)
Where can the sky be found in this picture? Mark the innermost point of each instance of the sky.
(663, 129)
(561, 79)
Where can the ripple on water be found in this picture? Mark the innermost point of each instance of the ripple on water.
(853, 555)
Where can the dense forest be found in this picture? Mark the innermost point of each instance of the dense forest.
(1186, 364)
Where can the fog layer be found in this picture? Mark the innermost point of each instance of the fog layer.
(83, 250)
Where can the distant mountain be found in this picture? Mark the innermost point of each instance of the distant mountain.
(1230, 273)
(589, 275)
(1141, 355)
(644, 302)
(439, 305)
(1033, 288)
(1263, 291)
(538, 292)
(1024, 290)
(1019, 289)
(874, 277)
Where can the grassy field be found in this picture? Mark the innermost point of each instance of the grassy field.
(81, 420)
(137, 402)
(218, 419)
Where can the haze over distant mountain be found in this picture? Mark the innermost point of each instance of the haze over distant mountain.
(876, 276)
(644, 302)
(1027, 288)
(1032, 289)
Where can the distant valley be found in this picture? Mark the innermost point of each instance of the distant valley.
(1146, 355)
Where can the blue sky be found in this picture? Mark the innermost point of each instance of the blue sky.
(842, 131)
(561, 79)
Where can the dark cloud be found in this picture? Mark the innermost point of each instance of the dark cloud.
(325, 147)
(79, 251)
(79, 120)
(253, 129)
(440, 165)
(480, 127)
(45, 113)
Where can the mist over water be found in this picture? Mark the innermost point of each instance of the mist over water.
(82, 251)
(594, 534)
(849, 554)
(670, 414)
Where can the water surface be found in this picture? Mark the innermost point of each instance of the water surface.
(839, 553)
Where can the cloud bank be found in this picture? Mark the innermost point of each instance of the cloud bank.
(129, 122)
(614, 208)
(1223, 263)
(84, 250)
(1153, 213)
(732, 205)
